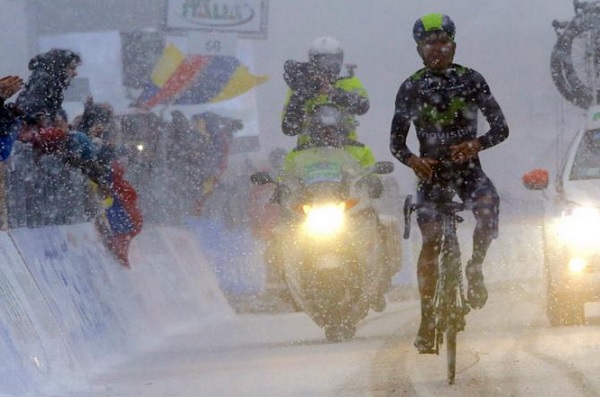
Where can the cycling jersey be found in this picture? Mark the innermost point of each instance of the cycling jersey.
(443, 107)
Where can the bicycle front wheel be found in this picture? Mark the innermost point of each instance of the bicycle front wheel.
(451, 354)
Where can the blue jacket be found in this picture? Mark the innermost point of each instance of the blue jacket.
(9, 130)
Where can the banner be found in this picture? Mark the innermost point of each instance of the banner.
(248, 18)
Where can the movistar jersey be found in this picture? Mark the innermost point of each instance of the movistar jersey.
(443, 107)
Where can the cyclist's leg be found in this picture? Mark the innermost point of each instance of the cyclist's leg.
(486, 214)
(478, 190)
(427, 266)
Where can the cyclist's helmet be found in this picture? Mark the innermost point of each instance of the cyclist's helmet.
(432, 23)
(327, 55)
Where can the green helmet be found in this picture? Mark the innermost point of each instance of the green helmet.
(432, 23)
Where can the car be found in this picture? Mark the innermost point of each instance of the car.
(571, 226)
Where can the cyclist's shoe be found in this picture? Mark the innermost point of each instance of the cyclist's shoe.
(425, 340)
(476, 292)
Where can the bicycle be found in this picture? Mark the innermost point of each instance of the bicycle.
(575, 59)
(450, 305)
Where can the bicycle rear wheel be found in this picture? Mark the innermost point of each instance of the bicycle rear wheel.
(451, 354)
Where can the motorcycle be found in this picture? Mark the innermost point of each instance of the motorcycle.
(330, 240)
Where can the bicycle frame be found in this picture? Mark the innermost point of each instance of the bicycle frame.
(450, 307)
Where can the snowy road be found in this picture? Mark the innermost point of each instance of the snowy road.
(508, 349)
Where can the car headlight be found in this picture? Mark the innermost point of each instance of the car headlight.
(577, 265)
(324, 220)
(580, 226)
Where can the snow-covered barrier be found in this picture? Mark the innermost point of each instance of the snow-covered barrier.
(68, 306)
(172, 279)
(233, 255)
(33, 350)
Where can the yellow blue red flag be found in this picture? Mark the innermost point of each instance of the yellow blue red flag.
(196, 79)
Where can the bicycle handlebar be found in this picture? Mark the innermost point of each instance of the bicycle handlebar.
(447, 208)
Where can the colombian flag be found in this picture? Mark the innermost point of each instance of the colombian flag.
(122, 219)
(196, 79)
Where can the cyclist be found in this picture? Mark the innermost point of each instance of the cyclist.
(442, 100)
(320, 81)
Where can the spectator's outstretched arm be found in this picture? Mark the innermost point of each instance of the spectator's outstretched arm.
(9, 86)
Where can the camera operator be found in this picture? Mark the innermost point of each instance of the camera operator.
(320, 81)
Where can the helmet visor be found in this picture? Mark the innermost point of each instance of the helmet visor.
(328, 63)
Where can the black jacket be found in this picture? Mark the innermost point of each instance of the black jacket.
(43, 92)
(443, 107)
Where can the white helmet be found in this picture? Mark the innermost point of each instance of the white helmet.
(325, 45)
(327, 54)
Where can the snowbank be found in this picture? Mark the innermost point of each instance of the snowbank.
(68, 307)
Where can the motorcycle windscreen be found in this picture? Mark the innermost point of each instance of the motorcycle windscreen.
(324, 164)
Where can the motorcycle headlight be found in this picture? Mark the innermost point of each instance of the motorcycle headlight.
(580, 226)
(324, 220)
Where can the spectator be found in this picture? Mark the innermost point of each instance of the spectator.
(9, 86)
(51, 74)
(88, 147)
(184, 167)
(265, 216)
(216, 134)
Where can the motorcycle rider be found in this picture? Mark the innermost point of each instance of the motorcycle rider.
(329, 127)
(317, 82)
(442, 100)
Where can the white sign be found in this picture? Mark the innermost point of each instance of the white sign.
(247, 18)
(212, 44)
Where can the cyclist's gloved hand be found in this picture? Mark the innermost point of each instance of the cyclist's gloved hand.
(465, 151)
(422, 166)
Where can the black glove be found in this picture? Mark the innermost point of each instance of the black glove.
(302, 78)
(293, 115)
